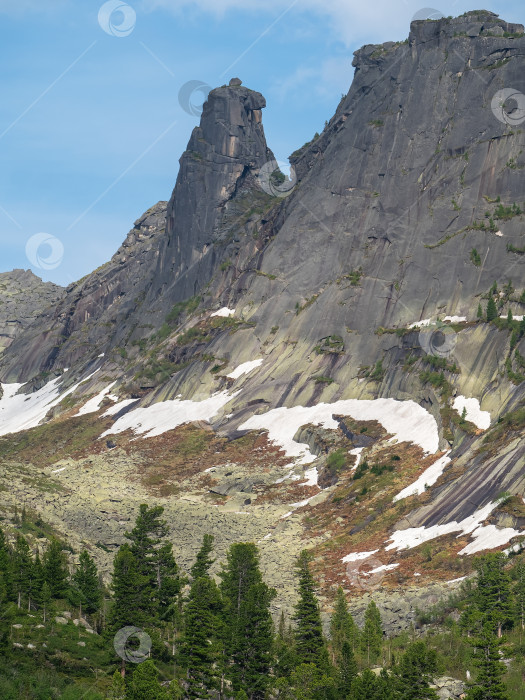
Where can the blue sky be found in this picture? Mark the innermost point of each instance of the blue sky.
(91, 129)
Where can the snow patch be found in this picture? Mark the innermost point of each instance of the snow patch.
(428, 478)
(418, 324)
(406, 420)
(384, 567)
(166, 415)
(225, 312)
(455, 319)
(485, 536)
(245, 368)
(93, 404)
(112, 410)
(24, 411)
(358, 556)
(514, 317)
(356, 451)
(474, 414)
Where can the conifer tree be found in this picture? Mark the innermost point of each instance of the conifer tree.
(6, 615)
(346, 670)
(118, 687)
(203, 561)
(479, 313)
(46, 601)
(415, 671)
(55, 569)
(493, 596)
(155, 562)
(492, 311)
(6, 566)
(488, 684)
(310, 644)
(86, 582)
(22, 569)
(372, 635)
(145, 684)
(128, 591)
(248, 623)
(342, 626)
(519, 594)
(202, 641)
(284, 653)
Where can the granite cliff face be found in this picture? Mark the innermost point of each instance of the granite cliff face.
(297, 316)
(23, 298)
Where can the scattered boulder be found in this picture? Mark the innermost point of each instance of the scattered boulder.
(60, 620)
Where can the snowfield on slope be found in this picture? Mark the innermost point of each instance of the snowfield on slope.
(166, 415)
(428, 478)
(473, 412)
(405, 420)
(245, 368)
(484, 536)
(24, 411)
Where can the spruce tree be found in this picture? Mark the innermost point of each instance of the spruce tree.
(415, 672)
(6, 566)
(55, 569)
(201, 646)
(118, 687)
(488, 684)
(22, 569)
(479, 313)
(310, 644)
(128, 591)
(46, 601)
(155, 562)
(284, 652)
(493, 597)
(86, 582)
(519, 594)
(492, 311)
(145, 683)
(342, 626)
(346, 670)
(203, 561)
(248, 623)
(372, 635)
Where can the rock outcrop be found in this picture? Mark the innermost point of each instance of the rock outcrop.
(23, 298)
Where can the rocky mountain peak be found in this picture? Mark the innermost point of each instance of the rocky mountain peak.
(471, 24)
(222, 160)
